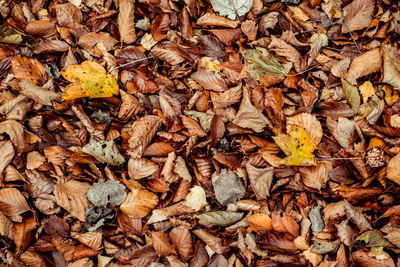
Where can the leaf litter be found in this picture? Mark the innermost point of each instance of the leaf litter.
(216, 132)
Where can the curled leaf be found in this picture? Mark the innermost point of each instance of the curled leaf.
(111, 192)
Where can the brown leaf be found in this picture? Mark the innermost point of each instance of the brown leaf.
(335, 110)
(170, 107)
(158, 149)
(281, 48)
(50, 46)
(56, 227)
(181, 238)
(7, 154)
(393, 169)
(130, 225)
(72, 197)
(34, 160)
(139, 203)
(211, 19)
(41, 28)
(356, 216)
(31, 258)
(275, 241)
(316, 176)
(227, 98)
(126, 23)
(248, 116)
(37, 93)
(161, 244)
(284, 223)
(391, 66)
(365, 64)
(309, 123)
(193, 127)
(90, 239)
(209, 80)
(213, 242)
(358, 15)
(90, 40)
(259, 221)
(140, 168)
(143, 131)
(29, 69)
(6, 226)
(249, 28)
(24, 232)
(169, 55)
(217, 129)
(12, 202)
(260, 180)
(362, 258)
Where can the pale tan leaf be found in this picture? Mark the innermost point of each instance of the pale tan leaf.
(182, 239)
(358, 15)
(249, 28)
(227, 98)
(7, 154)
(85, 262)
(139, 203)
(193, 127)
(316, 176)
(394, 237)
(364, 258)
(210, 80)
(161, 244)
(340, 68)
(213, 242)
(365, 64)
(309, 122)
(170, 56)
(90, 239)
(37, 93)
(313, 258)
(196, 199)
(130, 106)
(143, 131)
(249, 116)
(281, 48)
(90, 40)
(34, 160)
(219, 218)
(105, 152)
(393, 169)
(228, 187)
(211, 19)
(12, 202)
(260, 180)
(126, 23)
(334, 211)
(391, 66)
(345, 131)
(140, 168)
(72, 197)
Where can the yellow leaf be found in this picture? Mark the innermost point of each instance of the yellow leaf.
(298, 147)
(391, 95)
(259, 222)
(89, 79)
(213, 65)
(367, 90)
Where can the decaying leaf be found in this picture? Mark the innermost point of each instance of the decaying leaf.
(227, 187)
(140, 168)
(104, 151)
(231, 9)
(358, 15)
(365, 64)
(298, 146)
(316, 176)
(352, 95)
(263, 63)
(12, 202)
(391, 66)
(259, 221)
(260, 180)
(89, 79)
(111, 192)
(143, 131)
(219, 218)
(393, 169)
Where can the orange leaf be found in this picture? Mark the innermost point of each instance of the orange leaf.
(12, 202)
(259, 222)
(139, 203)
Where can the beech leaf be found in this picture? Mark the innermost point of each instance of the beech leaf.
(105, 152)
(109, 192)
(232, 8)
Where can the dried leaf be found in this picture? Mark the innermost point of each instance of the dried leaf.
(219, 218)
(227, 187)
(126, 23)
(352, 95)
(182, 239)
(143, 132)
(262, 62)
(298, 146)
(196, 199)
(7, 154)
(72, 197)
(358, 15)
(213, 242)
(283, 223)
(259, 221)
(365, 64)
(310, 123)
(105, 152)
(111, 192)
(260, 180)
(12, 202)
(317, 224)
(391, 66)
(393, 169)
(316, 176)
(211, 19)
(140, 168)
(37, 93)
(139, 203)
(29, 69)
(232, 10)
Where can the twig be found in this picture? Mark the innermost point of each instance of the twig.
(304, 71)
(319, 28)
(347, 26)
(129, 63)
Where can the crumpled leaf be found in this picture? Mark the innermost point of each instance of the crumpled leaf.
(7, 154)
(196, 199)
(110, 192)
(373, 238)
(316, 176)
(105, 152)
(298, 146)
(233, 8)
(219, 218)
(313, 258)
(365, 64)
(97, 217)
(260, 180)
(393, 169)
(323, 247)
(262, 62)
(88, 79)
(249, 116)
(352, 95)
(143, 131)
(317, 224)
(391, 66)
(358, 15)
(161, 244)
(15, 131)
(227, 187)
(37, 93)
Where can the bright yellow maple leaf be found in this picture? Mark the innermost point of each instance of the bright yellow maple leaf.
(298, 147)
(88, 79)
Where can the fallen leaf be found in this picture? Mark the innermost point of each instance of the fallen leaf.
(316, 176)
(72, 197)
(211, 19)
(358, 15)
(363, 65)
(275, 241)
(105, 152)
(161, 244)
(182, 239)
(88, 79)
(352, 95)
(30, 69)
(391, 66)
(37, 93)
(317, 223)
(393, 169)
(227, 187)
(109, 192)
(260, 180)
(259, 221)
(34, 160)
(313, 258)
(139, 203)
(283, 223)
(12, 202)
(140, 168)
(232, 10)
(367, 90)
(7, 154)
(143, 132)
(310, 123)
(126, 24)
(196, 199)
(215, 243)
(298, 146)
(219, 218)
